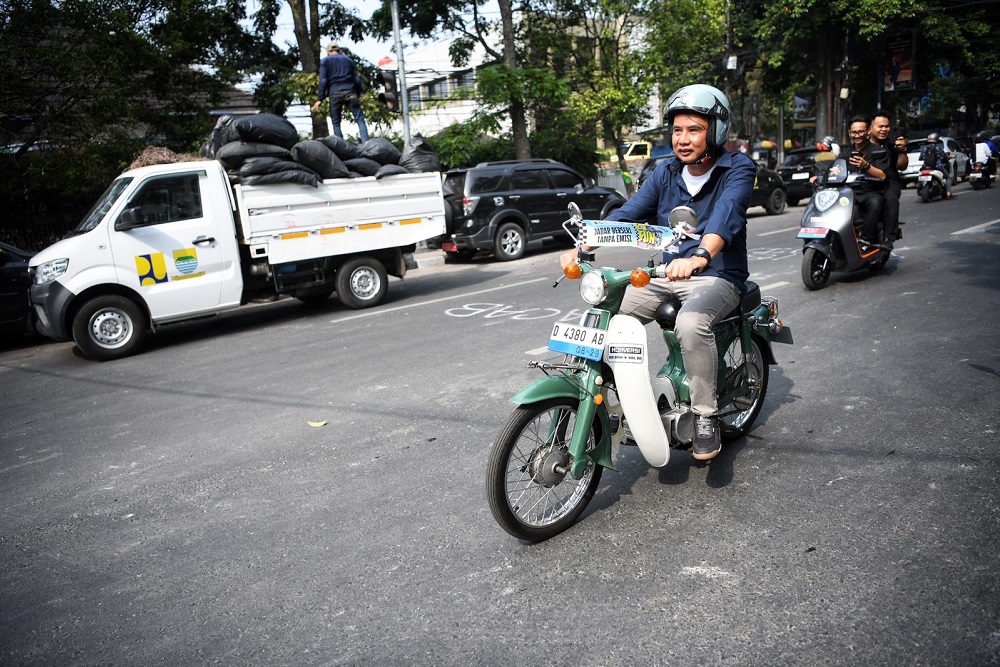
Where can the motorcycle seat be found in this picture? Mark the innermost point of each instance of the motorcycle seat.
(666, 312)
(751, 297)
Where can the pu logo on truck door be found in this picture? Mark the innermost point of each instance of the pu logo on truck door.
(152, 269)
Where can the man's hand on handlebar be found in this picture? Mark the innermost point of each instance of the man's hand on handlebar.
(683, 268)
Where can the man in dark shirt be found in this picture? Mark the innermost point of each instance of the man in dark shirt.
(872, 161)
(896, 160)
(339, 79)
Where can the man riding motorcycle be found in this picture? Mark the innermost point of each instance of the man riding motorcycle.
(706, 274)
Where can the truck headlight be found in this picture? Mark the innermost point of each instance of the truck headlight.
(593, 287)
(49, 271)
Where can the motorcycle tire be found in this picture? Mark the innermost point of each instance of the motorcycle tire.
(742, 396)
(528, 497)
(816, 269)
(925, 194)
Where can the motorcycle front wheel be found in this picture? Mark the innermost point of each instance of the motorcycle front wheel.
(531, 493)
(816, 269)
(743, 394)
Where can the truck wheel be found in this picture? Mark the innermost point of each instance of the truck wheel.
(109, 327)
(510, 242)
(362, 283)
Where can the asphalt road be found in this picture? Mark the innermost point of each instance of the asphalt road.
(178, 508)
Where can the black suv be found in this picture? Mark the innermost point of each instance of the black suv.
(500, 206)
(798, 167)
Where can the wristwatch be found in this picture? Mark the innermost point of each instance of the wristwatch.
(704, 254)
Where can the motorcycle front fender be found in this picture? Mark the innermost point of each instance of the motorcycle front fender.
(821, 245)
(561, 386)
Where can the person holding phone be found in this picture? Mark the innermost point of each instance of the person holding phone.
(872, 161)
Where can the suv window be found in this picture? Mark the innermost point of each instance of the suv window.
(529, 179)
(454, 184)
(795, 159)
(562, 179)
(485, 180)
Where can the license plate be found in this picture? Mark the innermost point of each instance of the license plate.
(585, 342)
(924, 179)
(449, 246)
(800, 177)
(812, 233)
(975, 175)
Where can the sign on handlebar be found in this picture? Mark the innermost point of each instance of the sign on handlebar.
(650, 237)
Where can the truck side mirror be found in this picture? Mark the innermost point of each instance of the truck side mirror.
(129, 219)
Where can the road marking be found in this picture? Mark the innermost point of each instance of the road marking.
(538, 351)
(774, 285)
(382, 311)
(969, 230)
(780, 231)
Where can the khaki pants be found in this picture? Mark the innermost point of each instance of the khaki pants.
(704, 301)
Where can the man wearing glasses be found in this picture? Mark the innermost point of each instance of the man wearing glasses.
(872, 161)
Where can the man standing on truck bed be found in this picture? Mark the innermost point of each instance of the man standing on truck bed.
(339, 79)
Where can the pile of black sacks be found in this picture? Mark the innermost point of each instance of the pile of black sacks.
(265, 148)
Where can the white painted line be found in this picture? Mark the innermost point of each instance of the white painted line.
(382, 311)
(970, 230)
(774, 285)
(538, 351)
(780, 231)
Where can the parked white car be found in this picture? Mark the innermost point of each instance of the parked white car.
(962, 162)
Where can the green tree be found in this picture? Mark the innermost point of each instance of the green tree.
(86, 83)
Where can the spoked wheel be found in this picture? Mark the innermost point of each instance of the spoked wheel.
(532, 495)
(816, 269)
(742, 397)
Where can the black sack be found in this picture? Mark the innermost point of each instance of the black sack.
(344, 149)
(267, 128)
(390, 170)
(235, 153)
(317, 156)
(256, 166)
(381, 150)
(223, 133)
(419, 156)
(363, 165)
(300, 176)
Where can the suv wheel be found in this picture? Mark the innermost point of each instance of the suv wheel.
(510, 242)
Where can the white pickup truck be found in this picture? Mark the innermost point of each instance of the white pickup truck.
(173, 242)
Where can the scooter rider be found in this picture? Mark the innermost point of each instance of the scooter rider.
(898, 159)
(707, 275)
(933, 156)
(870, 160)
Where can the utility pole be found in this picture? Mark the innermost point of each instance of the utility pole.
(403, 93)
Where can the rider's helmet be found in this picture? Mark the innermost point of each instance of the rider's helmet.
(982, 137)
(933, 136)
(705, 101)
(828, 145)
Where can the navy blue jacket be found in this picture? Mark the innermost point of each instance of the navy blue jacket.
(337, 72)
(721, 206)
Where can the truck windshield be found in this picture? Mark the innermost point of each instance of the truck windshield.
(101, 208)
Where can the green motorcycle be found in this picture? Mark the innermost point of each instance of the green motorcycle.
(546, 464)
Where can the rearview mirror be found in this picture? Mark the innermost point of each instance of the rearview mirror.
(129, 219)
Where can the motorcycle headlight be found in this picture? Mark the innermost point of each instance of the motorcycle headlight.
(825, 199)
(593, 287)
(49, 271)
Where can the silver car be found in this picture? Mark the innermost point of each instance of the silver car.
(962, 163)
